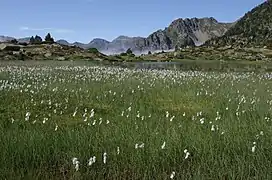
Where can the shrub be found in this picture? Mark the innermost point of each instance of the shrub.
(129, 51)
(93, 50)
(123, 54)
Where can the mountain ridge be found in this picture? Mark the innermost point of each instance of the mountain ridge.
(180, 33)
(253, 29)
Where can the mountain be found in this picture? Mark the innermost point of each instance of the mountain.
(63, 42)
(99, 44)
(180, 33)
(20, 40)
(253, 29)
(24, 40)
(183, 31)
(122, 43)
(5, 38)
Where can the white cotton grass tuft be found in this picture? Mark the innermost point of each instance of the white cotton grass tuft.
(118, 150)
(75, 112)
(105, 158)
(92, 160)
(74, 160)
(27, 116)
(139, 146)
(56, 128)
(76, 163)
(187, 154)
(167, 114)
(172, 175)
(92, 113)
(213, 128)
(253, 149)
(163, 145)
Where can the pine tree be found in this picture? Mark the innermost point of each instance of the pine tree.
(129, 51)
(32, 40)
(48, 38)
(38, 39)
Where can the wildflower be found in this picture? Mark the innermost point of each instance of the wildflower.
(27, 116)
(261, 133)
(92, 113)
(129, 109)
(94, 122)
(92, 160)
(172, 118)
(172, 175)
(184, 114)
(213, 129)
(77, 166)
(118, 150)
(108, 122)
(163, 145)
(253, 149)
(136, 146)
(138, 114)
(105, 158)
(75, 112)
(76, 163)
(74, 160)
(12, 120)
(100, 121)
(56, 128)
(202, 120)
(141, 146)
(167, 114)
(187, 154)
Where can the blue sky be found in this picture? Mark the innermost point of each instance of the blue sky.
(83, 20)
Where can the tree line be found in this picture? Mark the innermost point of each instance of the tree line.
(37, 40)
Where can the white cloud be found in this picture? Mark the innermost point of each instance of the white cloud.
(52, 30)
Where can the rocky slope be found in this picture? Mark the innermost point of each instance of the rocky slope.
(252, 30)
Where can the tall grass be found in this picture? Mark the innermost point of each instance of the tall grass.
(223, 120)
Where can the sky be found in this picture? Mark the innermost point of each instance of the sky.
(83, 20)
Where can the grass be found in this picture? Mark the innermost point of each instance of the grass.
(131, 107)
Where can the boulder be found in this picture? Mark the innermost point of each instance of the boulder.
(61, 59)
